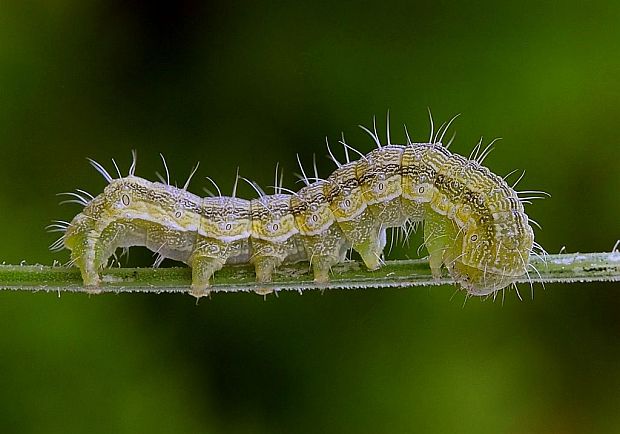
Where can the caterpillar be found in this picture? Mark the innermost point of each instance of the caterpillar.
(474, 222)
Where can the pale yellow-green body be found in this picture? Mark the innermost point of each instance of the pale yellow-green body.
(474, 223)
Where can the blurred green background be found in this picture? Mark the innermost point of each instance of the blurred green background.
(250, 84)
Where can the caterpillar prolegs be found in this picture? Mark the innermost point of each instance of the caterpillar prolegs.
(474, 222)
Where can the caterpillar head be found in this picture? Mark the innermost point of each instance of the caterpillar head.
(493, 256)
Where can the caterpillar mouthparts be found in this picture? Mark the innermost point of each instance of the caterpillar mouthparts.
(474, 222)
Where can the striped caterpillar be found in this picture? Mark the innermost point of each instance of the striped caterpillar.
(474, 223)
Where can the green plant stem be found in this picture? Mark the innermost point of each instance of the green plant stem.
(563, 268)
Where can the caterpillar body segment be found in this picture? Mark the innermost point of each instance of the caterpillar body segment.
(474, 223)
(321, 235)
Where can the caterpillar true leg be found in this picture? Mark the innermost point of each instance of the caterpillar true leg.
(439, 234)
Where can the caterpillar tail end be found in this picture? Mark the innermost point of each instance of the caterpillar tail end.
(84, 260)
